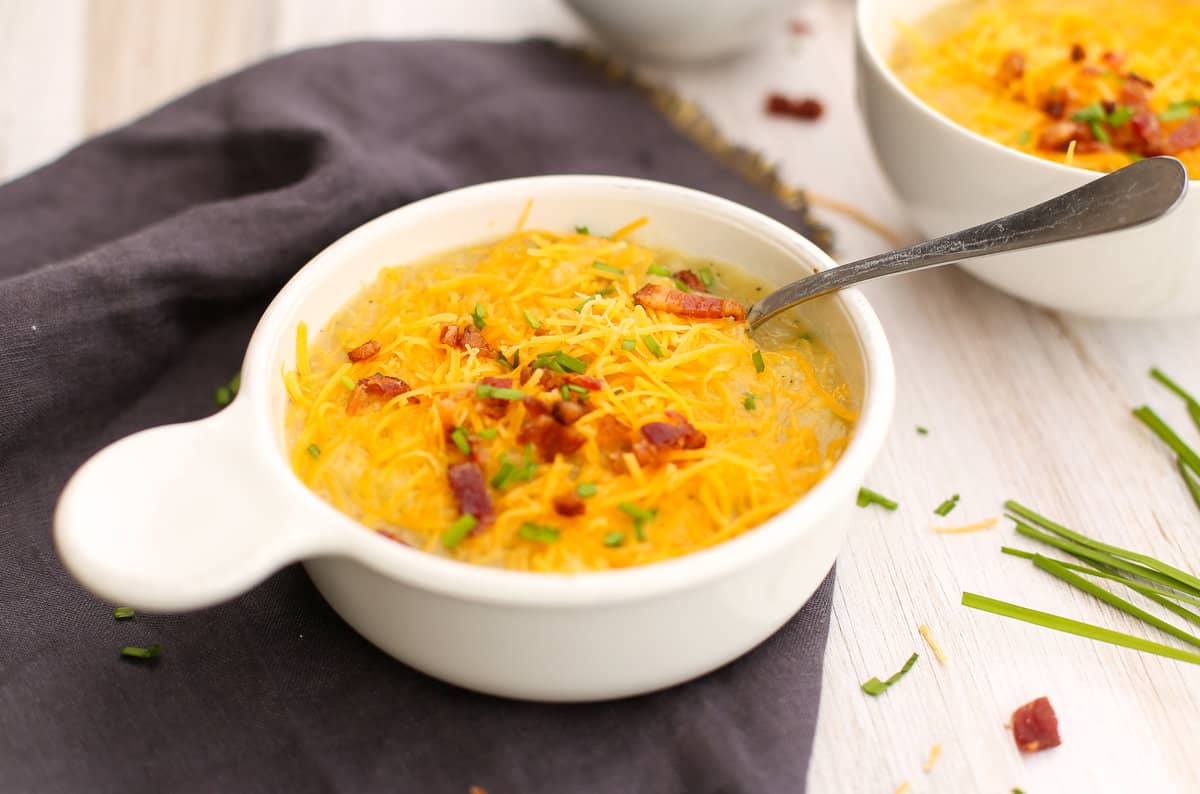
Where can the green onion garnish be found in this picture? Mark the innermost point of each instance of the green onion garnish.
(134, 652)
(750, 402)
(586, 490)
(924, 431)
(570, 363)
(538, 533)
(577, 389)
(528, 467)
(1119, 116)
(1023, 138)
(1091, 113)
(478, 315)
(516, 358)
(605, 292)
(235, 383)
(347, 382)
(759, 364)
(875, 687)
(483, 391)
(459, 437)
(706, 277)
(582, 230)
(224, 396)
(658, 270)
(585, 302)
(565, 392)
(614, 539)
(505, 472)
(868, 497)
(1078, 628)
(488, 432)
(607, 268)
(1177, 111)
(1134, 156)
(123, 613)
(679, 285)
(534, 324)
(1098, 132)
(640, 516)
(314, 450)
(945, 507)
(459, 530)
(653, 346)
(628, 344)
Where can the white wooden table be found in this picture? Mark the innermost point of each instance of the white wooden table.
(1019, 402)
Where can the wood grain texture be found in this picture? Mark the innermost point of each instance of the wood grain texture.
(1019, 402)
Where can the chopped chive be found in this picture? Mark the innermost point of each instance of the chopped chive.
(538, 533)
(1134, 156)
(1192, 485)
(759, 364)
(923, 431)
(639, 529)
(577, 389)
(586, 490)
(1098, 132)
(459, 530)
(478, 315)
(628, 344)
(123, 613)
(570, 363)
(488, 432)
(224, 396)
(605, 292)
(483, 391)
(565, 392)
(868, 497)
(582, 230)
(681, 286)
(1023, 138)
(653, 346)
(614, 539)
(534, 324)
(528, 467)
(750, 402)
(875, 687)
(1177, 111)
(658, 270)
(1119, 116)
(634, 511)
(347, 382)
(459, 437)
(706, 277)
(1078, 628)
(314, 450)
(607, 268)
(1092, 113)
(505, 472)
(945, 507)
(1162, 378)
(235, 383)
(516, 358)
(584, 302)
(134, 652)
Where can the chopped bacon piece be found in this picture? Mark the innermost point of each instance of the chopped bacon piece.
(1058, 136)
(552, 380)
(1012, 67)
(586, 382)
(1055, 107)
(494, 406)
(807, 108)
(1113, 61)
(691, 281)
(568, 412)
(1149, 138)
(661, 437)
(375, 387)
(1185, 135)
(614, 438)
(365, 351)
(1078, 53)
(551, 437)
(1035, 726)
(687, 304)
(465, 336)
(470, 490)
(569, 504)
(534, 406)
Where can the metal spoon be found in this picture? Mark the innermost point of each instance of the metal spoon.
(1136, 194)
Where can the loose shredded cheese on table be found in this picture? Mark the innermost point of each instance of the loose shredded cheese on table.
(935, 752)
(387, 466)
(938, 653)
(986, 523)
(903, 788)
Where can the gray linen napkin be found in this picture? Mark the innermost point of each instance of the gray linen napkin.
(132, 272)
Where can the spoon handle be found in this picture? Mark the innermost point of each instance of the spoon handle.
(1131, 196)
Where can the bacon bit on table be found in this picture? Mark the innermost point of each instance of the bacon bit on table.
(691, 281)
(658, 438)
(367, 350)
(477, 790)
(470, 490)
(687, 304)
(495, 407)
(373, 388)
(569, 504)
(614, 438)
(1035, 726)
(1012, 67)
(807, 108)
(465, 336)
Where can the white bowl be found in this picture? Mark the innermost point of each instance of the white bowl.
(184, 516)
(951, 178)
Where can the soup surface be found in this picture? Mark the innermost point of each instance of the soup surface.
(1090, 83)
(561, 402)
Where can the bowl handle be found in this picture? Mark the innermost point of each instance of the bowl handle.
(179, 517)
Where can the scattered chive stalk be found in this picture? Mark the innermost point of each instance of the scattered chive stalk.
(614, 539)
(484, 392)
(314, 450)
(653, 346)
(751, 401)
(607, 268)
(459, 530)
(134, 652)
(1146, 589)
(1192, 485)
(1078, 628)
(225, 394)
(123, 613)
(706, 276)
(538, 533)
(759, 364)
(628, 344)
(459, 437)
(1193, 406)
(945, 507)
(478, 316)
(582, 230)
(347, 382)
(533, 323)
(868, 497)
(922, 431)
(658, 270)
(586, 490)
(874, 687)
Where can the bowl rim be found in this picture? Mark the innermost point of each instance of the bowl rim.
(342, 536)
(868, 9)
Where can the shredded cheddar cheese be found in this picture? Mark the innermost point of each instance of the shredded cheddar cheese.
(540, 293)
(933, 644)
(935, 752)
(978, 526)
